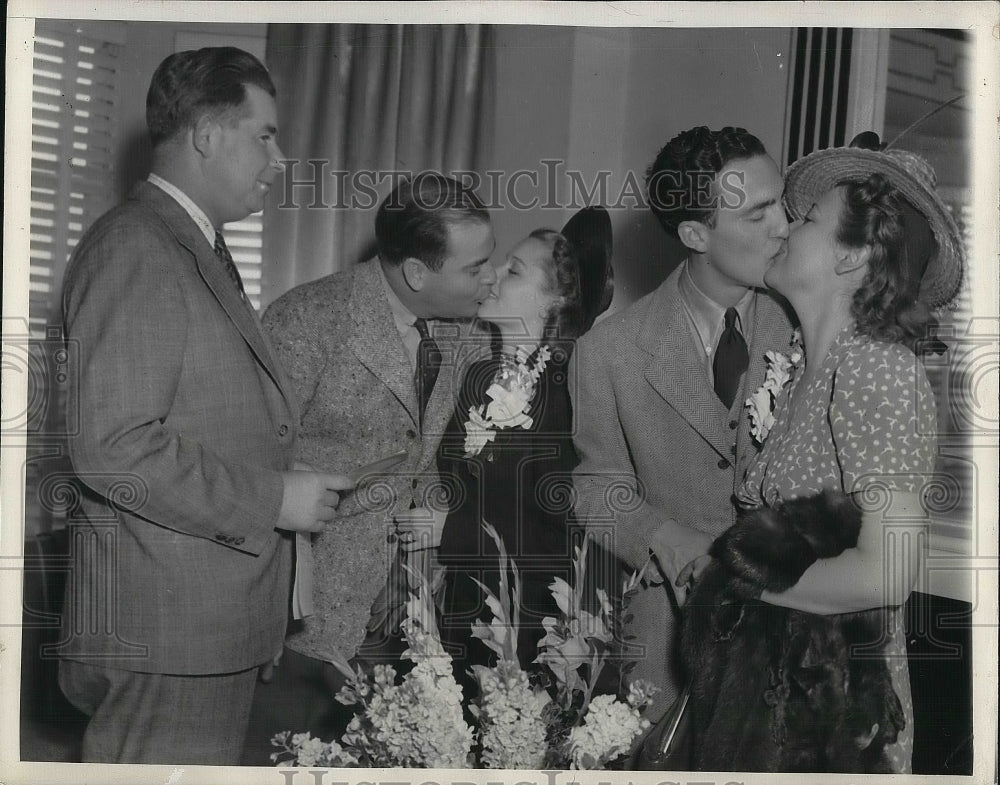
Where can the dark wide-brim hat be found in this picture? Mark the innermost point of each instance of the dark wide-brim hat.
(810, 177)
(589, 231)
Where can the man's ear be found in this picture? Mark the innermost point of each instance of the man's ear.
(414, 273)
(204, 134)
(694, 234)
(851, 260)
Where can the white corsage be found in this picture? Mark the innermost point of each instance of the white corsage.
(510, 396)
(778, 373)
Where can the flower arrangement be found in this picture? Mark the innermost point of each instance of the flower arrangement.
(416, 723)
(522, 720)
(510, 396)
(779, 371)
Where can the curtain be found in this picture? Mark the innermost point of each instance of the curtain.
(357, 103)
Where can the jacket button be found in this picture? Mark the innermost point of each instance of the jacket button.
(283, 430)
(723, 463)
(413, 483)
(411, 434)
(733, 449)
(733, 424)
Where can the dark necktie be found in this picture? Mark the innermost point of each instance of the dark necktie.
(227, 260)
(731, 360)
(428, 365)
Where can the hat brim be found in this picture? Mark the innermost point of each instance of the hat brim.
(589, 231)
(810, 177)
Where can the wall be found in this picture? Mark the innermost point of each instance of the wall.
(608, 99)
(594, 99)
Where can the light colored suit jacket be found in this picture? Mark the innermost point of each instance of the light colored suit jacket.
(655, 442)
(337, 338)
(187, 421)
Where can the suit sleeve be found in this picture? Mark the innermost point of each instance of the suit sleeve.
(126, 311)
(607, 489)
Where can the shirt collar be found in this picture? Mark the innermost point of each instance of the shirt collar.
(707, 316)
(196, 213)
(401, 315)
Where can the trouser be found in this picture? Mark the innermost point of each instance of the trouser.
(159, 718)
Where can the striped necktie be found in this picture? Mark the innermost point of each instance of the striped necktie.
(222, 252)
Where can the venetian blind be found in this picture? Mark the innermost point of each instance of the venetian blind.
(73, 129)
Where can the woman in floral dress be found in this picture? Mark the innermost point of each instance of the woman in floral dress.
(508, 450)
(875, 251)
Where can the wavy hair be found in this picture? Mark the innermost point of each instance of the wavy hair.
(679, 182)
(886, 305)
(212, 79)
(564, 321)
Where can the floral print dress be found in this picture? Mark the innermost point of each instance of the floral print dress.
(867, 416)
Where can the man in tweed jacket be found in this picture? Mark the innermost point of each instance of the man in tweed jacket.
(349, 342)
(180, 575)
(661, 454)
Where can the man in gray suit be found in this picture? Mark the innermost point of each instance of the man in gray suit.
(374, 354)
(181, 544)
(659, 389)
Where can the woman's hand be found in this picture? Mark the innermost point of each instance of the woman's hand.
(419, 528)
(689, 576)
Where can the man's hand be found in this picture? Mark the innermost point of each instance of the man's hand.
(310, 499)
(675, 546)
(419, 528)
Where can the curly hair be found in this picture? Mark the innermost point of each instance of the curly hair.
(886, 305)
(187, 83)
(414, 219)
(565, 320)
(679, 182)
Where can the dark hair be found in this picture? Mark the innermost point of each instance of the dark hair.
(886, 305)
(413, 220)
(189, 83)
(562, 276)
(679, 181)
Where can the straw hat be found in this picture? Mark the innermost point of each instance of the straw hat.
(589, 230)
(815, 174)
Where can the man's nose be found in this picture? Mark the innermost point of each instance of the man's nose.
(490, 274)
(278, 159)
(781, 224)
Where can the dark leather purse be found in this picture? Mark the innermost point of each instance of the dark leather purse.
(667, 745)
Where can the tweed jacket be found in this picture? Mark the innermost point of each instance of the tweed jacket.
(354, 381)
(654, 440)
(186, 421)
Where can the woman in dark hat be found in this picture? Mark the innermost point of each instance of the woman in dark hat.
(507, 452)
(873, 253)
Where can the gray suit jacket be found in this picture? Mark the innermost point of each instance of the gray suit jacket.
(337, 338)
(187, 421)
(654, 440)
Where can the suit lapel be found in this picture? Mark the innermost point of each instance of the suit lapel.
(214, 274)
(375, 340)
(676, 372)
(772, 332)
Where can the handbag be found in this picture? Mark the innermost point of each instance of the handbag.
(667, 745)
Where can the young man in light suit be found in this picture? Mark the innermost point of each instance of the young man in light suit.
(356, 346)
(182, 545)
(659, 389)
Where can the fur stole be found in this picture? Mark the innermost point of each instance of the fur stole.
(774, 689)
